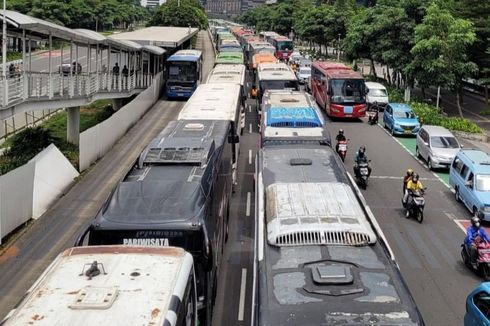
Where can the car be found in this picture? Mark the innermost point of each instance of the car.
(478, 306)
(294, 57)
(303, 74)
(304, 62)
(437, 146)
(400, 119)
(377, 93)
(469, 176)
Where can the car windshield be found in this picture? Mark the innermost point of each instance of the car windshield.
(483, 182)
(378, 92)
(305, 71)
(444, 142)
(404, 114)
(347, 91)
(230, 49)
(182, 71)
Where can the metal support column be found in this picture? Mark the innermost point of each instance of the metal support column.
(62, 87)
(77, 77)
(97, 67)
(89, 67)
(24, 76)
(50, 83)
(109, 69)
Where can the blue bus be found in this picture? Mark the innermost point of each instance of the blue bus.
(184, 72)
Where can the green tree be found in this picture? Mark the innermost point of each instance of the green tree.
(51, 10)
(189, 13)
(440, 52)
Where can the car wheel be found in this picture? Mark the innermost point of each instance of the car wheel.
(417, 152)
(429, 164)
(456, 195)
(475, 211)
(392, 131)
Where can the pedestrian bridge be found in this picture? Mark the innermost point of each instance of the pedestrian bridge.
(85, 66)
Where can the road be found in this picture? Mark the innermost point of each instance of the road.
(429, 253)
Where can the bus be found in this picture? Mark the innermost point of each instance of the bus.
(275, 76)
(112, 285)
(177, 194)
(320, 256)
(184, 73)
(229, 74)
(230, 46)
(284, 47)
(291, 117)
(338, 90)
(231, 58)
(218, 102)
(268, 36)
(262, 58)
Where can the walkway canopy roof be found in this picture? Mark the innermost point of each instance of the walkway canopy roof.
(170, 37)
(42, 29)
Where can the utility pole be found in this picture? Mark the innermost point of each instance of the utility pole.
(4, 52)
(338, 49)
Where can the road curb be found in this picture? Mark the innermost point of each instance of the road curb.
(469, 136)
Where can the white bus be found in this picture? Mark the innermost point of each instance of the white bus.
(275, 76)
(218, 102)
(112, 285)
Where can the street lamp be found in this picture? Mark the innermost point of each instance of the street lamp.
(4, 51)
(338, 49)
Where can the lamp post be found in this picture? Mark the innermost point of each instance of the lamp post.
(4, 52)
(338, 49)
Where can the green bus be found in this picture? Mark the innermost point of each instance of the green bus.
(232, 58)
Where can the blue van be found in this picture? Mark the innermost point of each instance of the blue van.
(469, 175)
(478, 306)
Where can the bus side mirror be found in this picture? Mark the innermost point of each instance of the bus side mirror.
(81, 238)
(233, 139)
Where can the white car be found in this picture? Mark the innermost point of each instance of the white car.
(376, 93)
(303, 74)
(437, 146)
(294, 57)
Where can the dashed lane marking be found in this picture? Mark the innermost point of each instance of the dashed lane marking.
(249, 200)
(389, 177)
(249, 156)
(250, 128)
(243, 288)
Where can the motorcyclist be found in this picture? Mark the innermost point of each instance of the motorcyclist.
(413, 184)
(361, 157)
(340, 137)
(472, 232)
(407, 178)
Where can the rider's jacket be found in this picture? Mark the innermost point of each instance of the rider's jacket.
(414, 186)
(472, 232)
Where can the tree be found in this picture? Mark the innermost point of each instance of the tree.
(441, 51)
(51, 10)
(181, 13)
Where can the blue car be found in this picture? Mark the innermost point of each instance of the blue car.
(400, 119)
(478, 306)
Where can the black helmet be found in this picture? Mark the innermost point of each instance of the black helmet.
(475, 221)
(341, 131)
(362, 151)
(415, 177)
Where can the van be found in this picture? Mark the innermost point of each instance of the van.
(376, 93)
(469, 175)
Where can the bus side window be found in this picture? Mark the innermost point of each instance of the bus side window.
(187, 314)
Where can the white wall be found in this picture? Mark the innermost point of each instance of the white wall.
(98, 140)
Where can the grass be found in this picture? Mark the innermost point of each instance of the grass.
(485, 112)
(12, 56)
(29, 142)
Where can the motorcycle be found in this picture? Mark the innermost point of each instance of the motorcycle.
(415, 204)
(342, 149)
(482, 260)
(373, 113)
(362, 174)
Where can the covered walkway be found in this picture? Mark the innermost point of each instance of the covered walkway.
(97, 67)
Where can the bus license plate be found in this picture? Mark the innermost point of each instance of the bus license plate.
(348, 109)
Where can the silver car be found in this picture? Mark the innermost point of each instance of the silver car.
(437, 146)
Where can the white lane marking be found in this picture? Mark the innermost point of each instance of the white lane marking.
(249, 200)
(241, 305)
(250, 128)
(397, 178)
(249, 108)
(249, 156)
(458, 223)
(415, 157)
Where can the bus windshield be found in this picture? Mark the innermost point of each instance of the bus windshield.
(347, 91)
(285, 45)
(182, 71)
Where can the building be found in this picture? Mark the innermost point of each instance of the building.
(152, 3)
(226, 7)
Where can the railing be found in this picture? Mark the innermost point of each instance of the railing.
(37, 85)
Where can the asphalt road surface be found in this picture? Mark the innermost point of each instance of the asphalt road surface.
(429, 253)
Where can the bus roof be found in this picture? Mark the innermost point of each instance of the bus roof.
(315, 264)
(213, 102)
(167, 186)
(281, 38)
(225, 74)
(229, 57)
(186, 55)
(262, 58)
(336, 70)
(275, 71)
(136, 286)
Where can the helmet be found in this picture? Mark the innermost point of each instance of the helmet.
(361, 151)
(341, 131)
(415, 177)
(409, 172)
(475, 221)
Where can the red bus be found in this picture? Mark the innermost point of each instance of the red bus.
(284, 47)
(338, 89)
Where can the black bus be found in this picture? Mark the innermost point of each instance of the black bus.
(177, 194)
